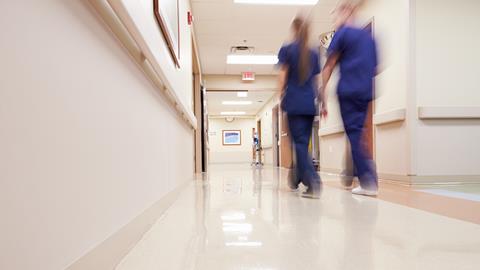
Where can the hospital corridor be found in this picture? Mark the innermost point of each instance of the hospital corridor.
(240, 135)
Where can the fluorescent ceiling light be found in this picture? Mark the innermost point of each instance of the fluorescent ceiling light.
(233, 217)
(233, 113)
(234, 59)
(237, 227)
(243, 244)
(242, 94)
(236, 102)
(278, 2)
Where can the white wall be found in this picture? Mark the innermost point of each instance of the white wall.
(447, 60)
(220, 153)
(87, 142)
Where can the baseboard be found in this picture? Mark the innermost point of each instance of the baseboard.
(109, 253)
(445, 180)
(399, 179)
(416, 180)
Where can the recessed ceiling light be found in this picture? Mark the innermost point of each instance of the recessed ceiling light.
(279, 2)
(236, 102)
(233, 113)
(242, 94)
(234, 59)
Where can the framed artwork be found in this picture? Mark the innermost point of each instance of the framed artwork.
(232, 137)
(167, 15)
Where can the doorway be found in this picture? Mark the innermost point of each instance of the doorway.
(259, 132)
(199, 108)
(368, 135)
(286, 153)
(276, 136)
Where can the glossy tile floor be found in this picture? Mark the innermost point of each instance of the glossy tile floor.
(241, 218)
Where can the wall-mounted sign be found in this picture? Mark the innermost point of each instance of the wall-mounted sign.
(248, 76)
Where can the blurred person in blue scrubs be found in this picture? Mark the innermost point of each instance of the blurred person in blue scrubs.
(298, 79)
(354, 50)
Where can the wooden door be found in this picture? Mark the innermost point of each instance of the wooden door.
(259, 132)
(286, 156)
(275, 136)
(368, 136)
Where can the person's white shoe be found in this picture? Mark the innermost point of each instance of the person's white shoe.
(365, 192)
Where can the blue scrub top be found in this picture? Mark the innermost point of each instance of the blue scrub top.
(358, 62)
(299, 98)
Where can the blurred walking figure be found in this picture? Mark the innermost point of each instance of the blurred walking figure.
(299, 76)
(354, 49)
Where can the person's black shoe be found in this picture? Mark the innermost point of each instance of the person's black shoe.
(293, 182)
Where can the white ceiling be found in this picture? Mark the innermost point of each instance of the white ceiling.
(221, 24)
(215, 99)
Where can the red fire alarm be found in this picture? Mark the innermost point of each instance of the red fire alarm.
(190, 18)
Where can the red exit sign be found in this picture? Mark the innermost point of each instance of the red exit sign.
(248, 76)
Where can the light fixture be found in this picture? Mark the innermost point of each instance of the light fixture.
(234, 216)
(242, 94)
(237, 227)
(237, 103)
(278, 2)
(243, 244)
(233, 113)
(252, 59)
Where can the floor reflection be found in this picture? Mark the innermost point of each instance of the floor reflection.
(238, 217)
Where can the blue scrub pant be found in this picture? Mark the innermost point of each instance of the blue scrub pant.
(301, 129)
(354, 112)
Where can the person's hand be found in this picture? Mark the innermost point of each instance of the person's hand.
(324, 111)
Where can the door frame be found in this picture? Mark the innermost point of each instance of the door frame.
(276, 135)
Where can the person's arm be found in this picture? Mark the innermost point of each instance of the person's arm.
(325, 77)
(282, 79)
(283, 69)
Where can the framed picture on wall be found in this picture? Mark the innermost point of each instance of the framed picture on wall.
(167, 14)
(232, 137)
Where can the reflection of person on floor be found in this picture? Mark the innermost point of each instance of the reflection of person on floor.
(360, 219)
(299, 70)
(354, 49)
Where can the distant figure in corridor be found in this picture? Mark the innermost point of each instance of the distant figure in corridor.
(298, 79)
(354, 49)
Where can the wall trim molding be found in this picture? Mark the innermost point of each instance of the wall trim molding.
(426, 113)
(122, 26)
(389, 117)
(109, 253)
(327, 131)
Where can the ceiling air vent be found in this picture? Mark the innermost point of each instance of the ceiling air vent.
(242, 49)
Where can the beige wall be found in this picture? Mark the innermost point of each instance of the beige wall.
(447, 60)
(87, 142)
(220, 153)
